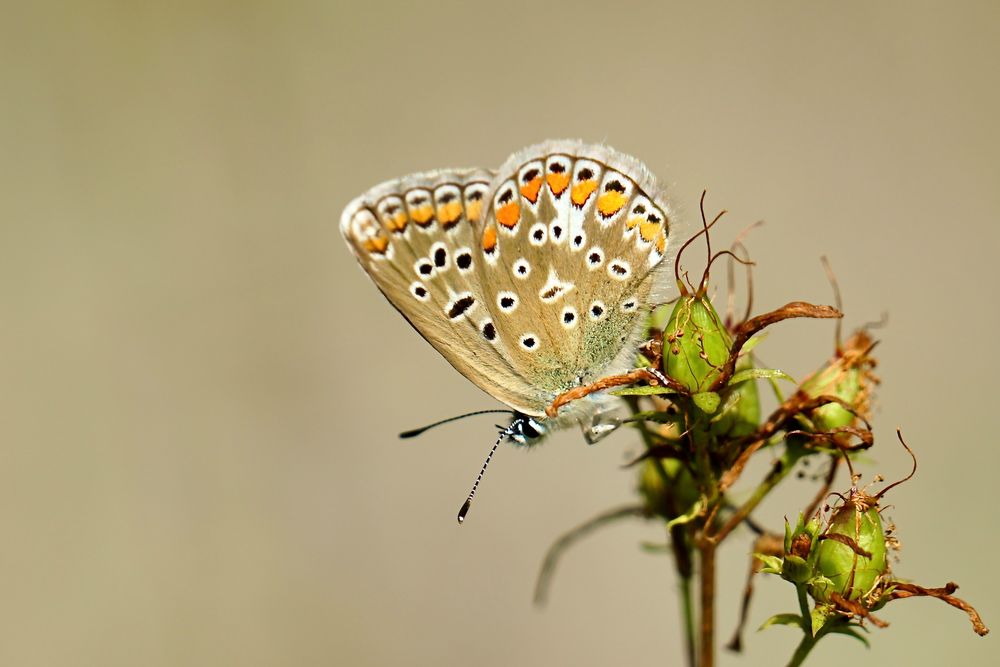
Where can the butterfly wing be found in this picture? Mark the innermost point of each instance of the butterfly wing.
(571, 243)
(418, 239)
(529, 282)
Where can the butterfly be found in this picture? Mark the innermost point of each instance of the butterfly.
(531, 280)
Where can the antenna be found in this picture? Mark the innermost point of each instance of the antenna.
(472, 494)
(417, 431)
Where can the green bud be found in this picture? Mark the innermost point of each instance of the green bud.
(851, 574)
(695, 344)
(670, 497)
(847, 376)
(797, 563)
(740, 411)
(795, 569)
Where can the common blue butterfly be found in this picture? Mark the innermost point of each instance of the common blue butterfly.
(530, 280)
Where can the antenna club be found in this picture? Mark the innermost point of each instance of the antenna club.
(462, 512)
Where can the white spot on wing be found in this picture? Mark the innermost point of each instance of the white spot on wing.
(597, 311)
(619, 269)
(538, 234)
(424, 268)
(419, 291)
(554, 288)
(594, 258)
(507, 301)
(521, 269)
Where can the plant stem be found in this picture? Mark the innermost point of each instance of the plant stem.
(808, 641)
(682, 562)
(568, 539)
(707, 644)
(778, 472)
(802, 650)
(681, 548)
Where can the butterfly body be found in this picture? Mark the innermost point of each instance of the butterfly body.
(531, 280)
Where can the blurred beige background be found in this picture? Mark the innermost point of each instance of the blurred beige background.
(201, 392)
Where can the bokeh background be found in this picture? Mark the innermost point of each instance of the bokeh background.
(200, 391)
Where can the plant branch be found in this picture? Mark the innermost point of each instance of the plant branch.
(746, 330)
(904, 590)
(566, 540)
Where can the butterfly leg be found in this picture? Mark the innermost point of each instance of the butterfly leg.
(650, 375)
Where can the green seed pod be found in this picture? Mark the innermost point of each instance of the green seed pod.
(740, 412)
(670, 497)
(852, 575)
(695, 344)
(847, 376)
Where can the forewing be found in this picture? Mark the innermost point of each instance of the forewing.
(418, 239)
(571, 243)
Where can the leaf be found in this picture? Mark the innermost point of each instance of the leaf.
(758, 374)
(655, 417)
(707, 401)
(689, 516)
(777, 390)
(782, 619)
(772, 564)
(851, 632)
(819, 617)
(752, 343)
(643, 391)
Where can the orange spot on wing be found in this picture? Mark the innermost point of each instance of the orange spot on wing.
(423, 215)
(633, 222)
(557, 183)
(473, 210)
(509, 215)
(610, 203)
(649, 230)
(489, 239)
(396, 222)
(661, 242)
(377, 244)
(582, 191)
(448, 214)
(531, 188)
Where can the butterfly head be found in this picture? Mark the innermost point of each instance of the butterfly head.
(525, 430)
